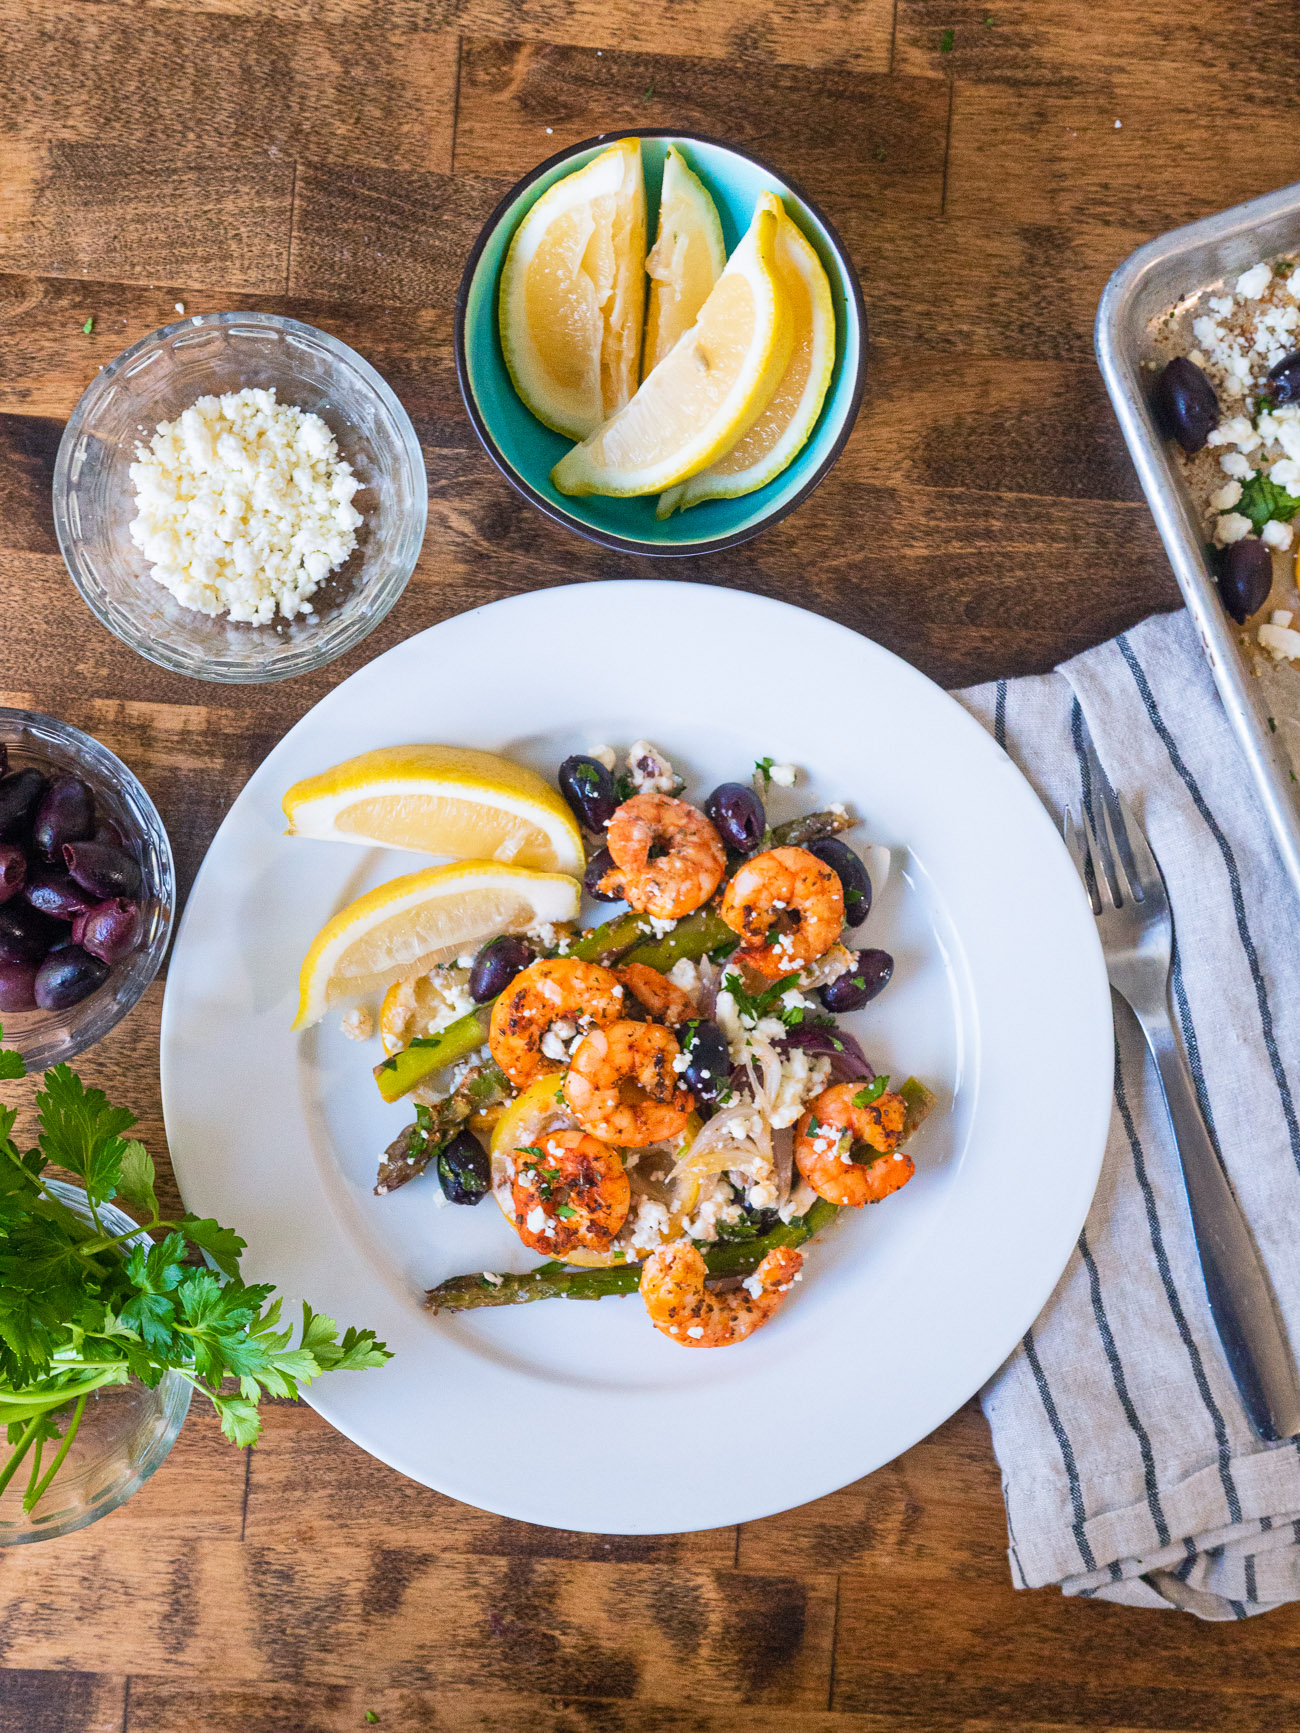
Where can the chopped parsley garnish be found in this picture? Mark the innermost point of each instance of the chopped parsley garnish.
(588, 776)
(946, 42)
(879, 153)
(763, 768)
(1263, 501)
(624, 787)
(528, 1149)
(872, 1092)
(1272, 726)
(565, 1211)
(753, 1006)
(89, 326)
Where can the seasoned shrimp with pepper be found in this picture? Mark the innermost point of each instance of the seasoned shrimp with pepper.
(668, 858)
(846, 1144)
(570, 1191)
(658, 997)
(788, 908)
(545, 1006)
(679, 1304)
(623, 1084)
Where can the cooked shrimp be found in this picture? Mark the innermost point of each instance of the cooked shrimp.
(847, 1149)
(679, 1304)
(661, 998)
(571, 1191)
(668, 859)
(622, 1085)
(788, 908)
(545, 1006)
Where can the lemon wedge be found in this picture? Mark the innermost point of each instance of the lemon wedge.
(687, 259)
(572, 301)
(709, 388)
(405, 927)
(782, 430)
(445, 800)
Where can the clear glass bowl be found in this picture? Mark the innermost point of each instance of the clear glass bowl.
(124, 1436)
(46, 1038)
(153, 381)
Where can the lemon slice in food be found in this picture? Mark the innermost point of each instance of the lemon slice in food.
(709, 388)
(572, 302)
(406, 926)
(782, 430)
(447, 800)
(687, 259)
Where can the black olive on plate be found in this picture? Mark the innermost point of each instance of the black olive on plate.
(66, 814)
(589, 789)
(463, 1169)
(870, 975)
(496, 966)
(104, 869)
(1245, 576)
(25, 933)
(66, 977)
(1284, 379)
(20, 794)
(1184, 404)
(599, 864)
(708, 1069)
(852, 876)
(737, 815)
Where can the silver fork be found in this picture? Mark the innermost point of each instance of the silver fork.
(1136, 927)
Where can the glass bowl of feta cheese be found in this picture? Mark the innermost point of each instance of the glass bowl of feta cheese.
(240, 497)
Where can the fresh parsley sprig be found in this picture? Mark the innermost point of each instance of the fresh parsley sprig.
(753, 1006)
(83, 1306)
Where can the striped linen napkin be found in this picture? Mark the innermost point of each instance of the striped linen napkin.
(1129, 1468)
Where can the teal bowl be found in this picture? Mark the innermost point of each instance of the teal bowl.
(525, 451)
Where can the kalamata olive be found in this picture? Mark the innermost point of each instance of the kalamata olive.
(109, 930)
(870, 974)
(107, 831)
(1184, 404)
(68, 977)
(13, 870)
(66, 814)
(17, 986)
(1245, 576)
(25, 933)
(102, 868)
(708, 1061)
(737, 815)
(57, 893)
(599, 864)
(1284, 379)
(20, 794)
(463, 1170)
(496, 966)
(4, 759)
(852, 876)
(589, 789)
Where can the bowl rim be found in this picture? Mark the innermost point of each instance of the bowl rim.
(299, 659)
(557, 514)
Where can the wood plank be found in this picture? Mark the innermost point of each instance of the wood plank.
(374, 1615)
(1161, 47)
(197, 1493)
(310, 1487)
(848, 140)
(1040, 155)
(842, 33)
(1075, 1664)
(141, 215)
(66, 1702)
(935, 1512)
(386, 235)
(177, 81)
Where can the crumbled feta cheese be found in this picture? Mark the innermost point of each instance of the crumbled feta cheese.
(1281, 617)
(1282, 644)
(1286, 473)
(1226, 497)
(603, 755)
(1233, 463)
(1251, 284)
(243, 506)
(1230, 528)
(650, 1227)
(753, 1286)
(1276, 534)
(544, 936)
(650, 770)
(180, 306)
(495, 1281)
(660, 928)
(358, 1024)
(685, 973)
(535, 1221)
(783, 775)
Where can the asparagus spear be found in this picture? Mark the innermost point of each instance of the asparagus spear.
(693, 936)
(408, 1155)
(796, 832)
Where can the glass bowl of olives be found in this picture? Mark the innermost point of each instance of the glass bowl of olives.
(87, 888)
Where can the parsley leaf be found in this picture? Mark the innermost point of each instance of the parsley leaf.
(946, 42)
(1263, 501)
(89, 326)
(872, 1092)
(763, 768)
(753, 1006)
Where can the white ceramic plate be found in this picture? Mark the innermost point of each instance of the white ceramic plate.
(583, 1416)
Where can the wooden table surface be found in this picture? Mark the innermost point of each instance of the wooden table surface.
(988, 165)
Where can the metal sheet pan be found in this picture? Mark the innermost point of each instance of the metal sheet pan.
(1161, 278)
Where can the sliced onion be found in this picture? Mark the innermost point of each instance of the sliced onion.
(716, 1150)
(783, 1160)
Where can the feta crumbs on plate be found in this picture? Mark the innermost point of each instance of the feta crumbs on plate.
(244, 506)
(651, 771)
(358, 1024)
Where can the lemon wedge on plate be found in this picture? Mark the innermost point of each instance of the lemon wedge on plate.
(446, 800)
(405, 927)
(688, 257)
(572, 301)
(709, 388)
(782, 430)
